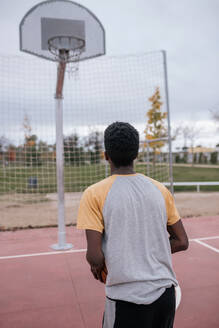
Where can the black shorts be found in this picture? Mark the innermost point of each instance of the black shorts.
(159, 314)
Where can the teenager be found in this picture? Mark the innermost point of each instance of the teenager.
(132, 227)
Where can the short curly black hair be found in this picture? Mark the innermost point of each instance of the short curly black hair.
(121, 142)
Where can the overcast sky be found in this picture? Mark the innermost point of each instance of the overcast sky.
(186, 29)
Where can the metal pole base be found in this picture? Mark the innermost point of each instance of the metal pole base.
(58, 247)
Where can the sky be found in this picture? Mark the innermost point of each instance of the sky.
(186, 29)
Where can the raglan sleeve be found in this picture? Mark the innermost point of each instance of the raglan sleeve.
(172, 212)
(90, 215)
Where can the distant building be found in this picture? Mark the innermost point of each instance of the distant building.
(202, 155)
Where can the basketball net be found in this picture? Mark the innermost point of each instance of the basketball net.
(67, 50)
(72, 67)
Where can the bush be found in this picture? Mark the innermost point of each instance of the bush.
(201, 158)
(177, 159)
(194, 158)
(213, 159)
(185, 158)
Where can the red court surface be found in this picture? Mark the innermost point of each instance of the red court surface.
(43, 289)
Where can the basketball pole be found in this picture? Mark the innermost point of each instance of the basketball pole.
(61, 245)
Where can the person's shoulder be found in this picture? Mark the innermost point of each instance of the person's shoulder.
(101, 187)
(163, 189)
(157, 183)
(153, 181)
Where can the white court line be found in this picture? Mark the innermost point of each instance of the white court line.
(42, 254)
(204, 238)
(177, 288)
(198, 240)
(206, 245)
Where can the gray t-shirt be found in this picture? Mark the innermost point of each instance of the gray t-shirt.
(132, 211)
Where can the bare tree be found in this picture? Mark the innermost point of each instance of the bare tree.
(27, 127)
(185, 130)
(4, 142)
(193, 133)
(4, 145)
(215, 114)
(189, 134)
(94, 144)
(176, 131)
(216, 119)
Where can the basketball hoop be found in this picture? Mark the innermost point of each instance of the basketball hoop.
(59, 30)
(67, 49)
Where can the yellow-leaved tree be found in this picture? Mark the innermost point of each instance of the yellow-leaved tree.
(155, 127)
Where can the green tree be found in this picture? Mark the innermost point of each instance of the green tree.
(185, 158)
(94, 144)
(32, 154)
(155, 127)
(73, 152)
(194, 158)
(213, 159)
(43, 151)
(201, 158)
(177, 159)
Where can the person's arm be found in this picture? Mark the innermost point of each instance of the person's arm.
(178, 237)
(95, 256)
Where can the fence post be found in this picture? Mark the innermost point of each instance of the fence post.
(168, 120)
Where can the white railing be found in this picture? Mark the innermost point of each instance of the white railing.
(194, 183)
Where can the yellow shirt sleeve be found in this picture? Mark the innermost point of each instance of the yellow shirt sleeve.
(172, 212)
(90, 212)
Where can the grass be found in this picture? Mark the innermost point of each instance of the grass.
(190, 174)
(182, 173)
(15, 180)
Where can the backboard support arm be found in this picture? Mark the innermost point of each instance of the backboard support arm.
(60, 79)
